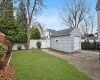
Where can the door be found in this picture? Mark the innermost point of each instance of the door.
(77, 43)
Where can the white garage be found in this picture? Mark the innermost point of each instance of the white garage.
(67, 40)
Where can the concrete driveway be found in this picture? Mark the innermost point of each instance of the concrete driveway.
(85, 61)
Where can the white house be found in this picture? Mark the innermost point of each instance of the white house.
(67, 40)
(45, 33)
(98, 16)
(48, 33)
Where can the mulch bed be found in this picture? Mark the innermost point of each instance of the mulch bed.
(9, 74)
(6, 72)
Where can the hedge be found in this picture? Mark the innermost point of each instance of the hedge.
(90, 45)
(3, 49)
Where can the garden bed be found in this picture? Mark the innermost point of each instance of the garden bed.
(8, 75)
(7, 70)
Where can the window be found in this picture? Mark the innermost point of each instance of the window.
(57, 40)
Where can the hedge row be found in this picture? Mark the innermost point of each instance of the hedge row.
(90, 45)
(3, 49)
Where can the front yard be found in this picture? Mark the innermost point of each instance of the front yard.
(37, 65)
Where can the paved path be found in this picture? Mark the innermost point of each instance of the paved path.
(92, 52)
(85, 61)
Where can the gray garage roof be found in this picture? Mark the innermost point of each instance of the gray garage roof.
(64, 32)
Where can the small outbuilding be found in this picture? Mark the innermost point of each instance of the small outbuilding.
(67, 40)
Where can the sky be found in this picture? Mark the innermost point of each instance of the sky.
(49, 17)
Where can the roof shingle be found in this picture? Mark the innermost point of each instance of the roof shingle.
(64, 32)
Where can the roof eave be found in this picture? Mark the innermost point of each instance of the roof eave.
(60, 35)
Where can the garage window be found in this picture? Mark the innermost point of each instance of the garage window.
(57, 40)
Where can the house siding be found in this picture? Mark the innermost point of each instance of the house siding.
(77, 43)
(98, 14)
(65, 43)
(76, 32)
(76, 35)
(47, 34)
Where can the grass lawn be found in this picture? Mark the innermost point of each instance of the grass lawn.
(38, 65)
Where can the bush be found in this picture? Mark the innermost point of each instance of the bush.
(39, 45)
(3, 49)
(19, 47)
(35, 34)
(90, 45)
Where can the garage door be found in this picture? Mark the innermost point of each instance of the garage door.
(77, 43)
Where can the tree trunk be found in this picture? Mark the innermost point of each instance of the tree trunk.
(10, 45)
(28, 37)
(9, 49)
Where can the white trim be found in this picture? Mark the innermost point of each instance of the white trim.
(72, 30)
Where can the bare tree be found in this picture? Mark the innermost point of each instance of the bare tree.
(74, 11)
(86, 26)
(32, 10)
(89, 24)
(92, 23)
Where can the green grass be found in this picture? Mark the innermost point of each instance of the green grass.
(38, 65)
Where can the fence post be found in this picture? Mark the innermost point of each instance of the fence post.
(99, 51)
(99, 54)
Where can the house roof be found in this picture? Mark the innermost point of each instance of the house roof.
(51, 30)
(64, 32)
(98, 5)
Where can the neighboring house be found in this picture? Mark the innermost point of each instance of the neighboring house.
(2, 37)
(98, 16)
(40, 28)
(67, 40)
(48, 33)
(45, 34)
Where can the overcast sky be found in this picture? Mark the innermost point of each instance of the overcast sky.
(50, 16)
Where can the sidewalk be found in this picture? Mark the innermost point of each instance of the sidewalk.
(89, 51)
